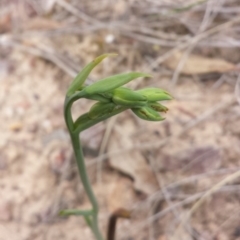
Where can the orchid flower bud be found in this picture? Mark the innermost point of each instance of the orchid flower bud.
(99, 98)
(127, 97)
(155, 94)
(158, 107)
(99, 109)
(147, 113)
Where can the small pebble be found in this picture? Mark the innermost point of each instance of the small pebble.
(15, 126)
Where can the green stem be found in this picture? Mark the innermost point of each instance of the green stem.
(67, 109)
(75, 128)
(93, 221)
(86, 183)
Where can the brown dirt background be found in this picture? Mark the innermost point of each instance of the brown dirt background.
(159, 171)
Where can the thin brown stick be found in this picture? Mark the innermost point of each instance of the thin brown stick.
(41, 51)
(76, 12)
(119, 213)
(188, 200)
(207, 194)
(194, 40)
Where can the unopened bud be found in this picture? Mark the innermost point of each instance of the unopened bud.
(127, 97)
(155, 94)
(147, 113)
(157, 107)
(99, 109)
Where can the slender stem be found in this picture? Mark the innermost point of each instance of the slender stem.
(67, 109)
(93, 221)
(86, 183)
(75, 128)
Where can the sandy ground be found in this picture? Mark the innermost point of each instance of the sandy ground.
(165, 173)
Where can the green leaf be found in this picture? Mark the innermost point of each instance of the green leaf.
(82, 76)
(113, 82)
(69, 212)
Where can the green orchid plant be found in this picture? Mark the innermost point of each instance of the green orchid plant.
(111, 99)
